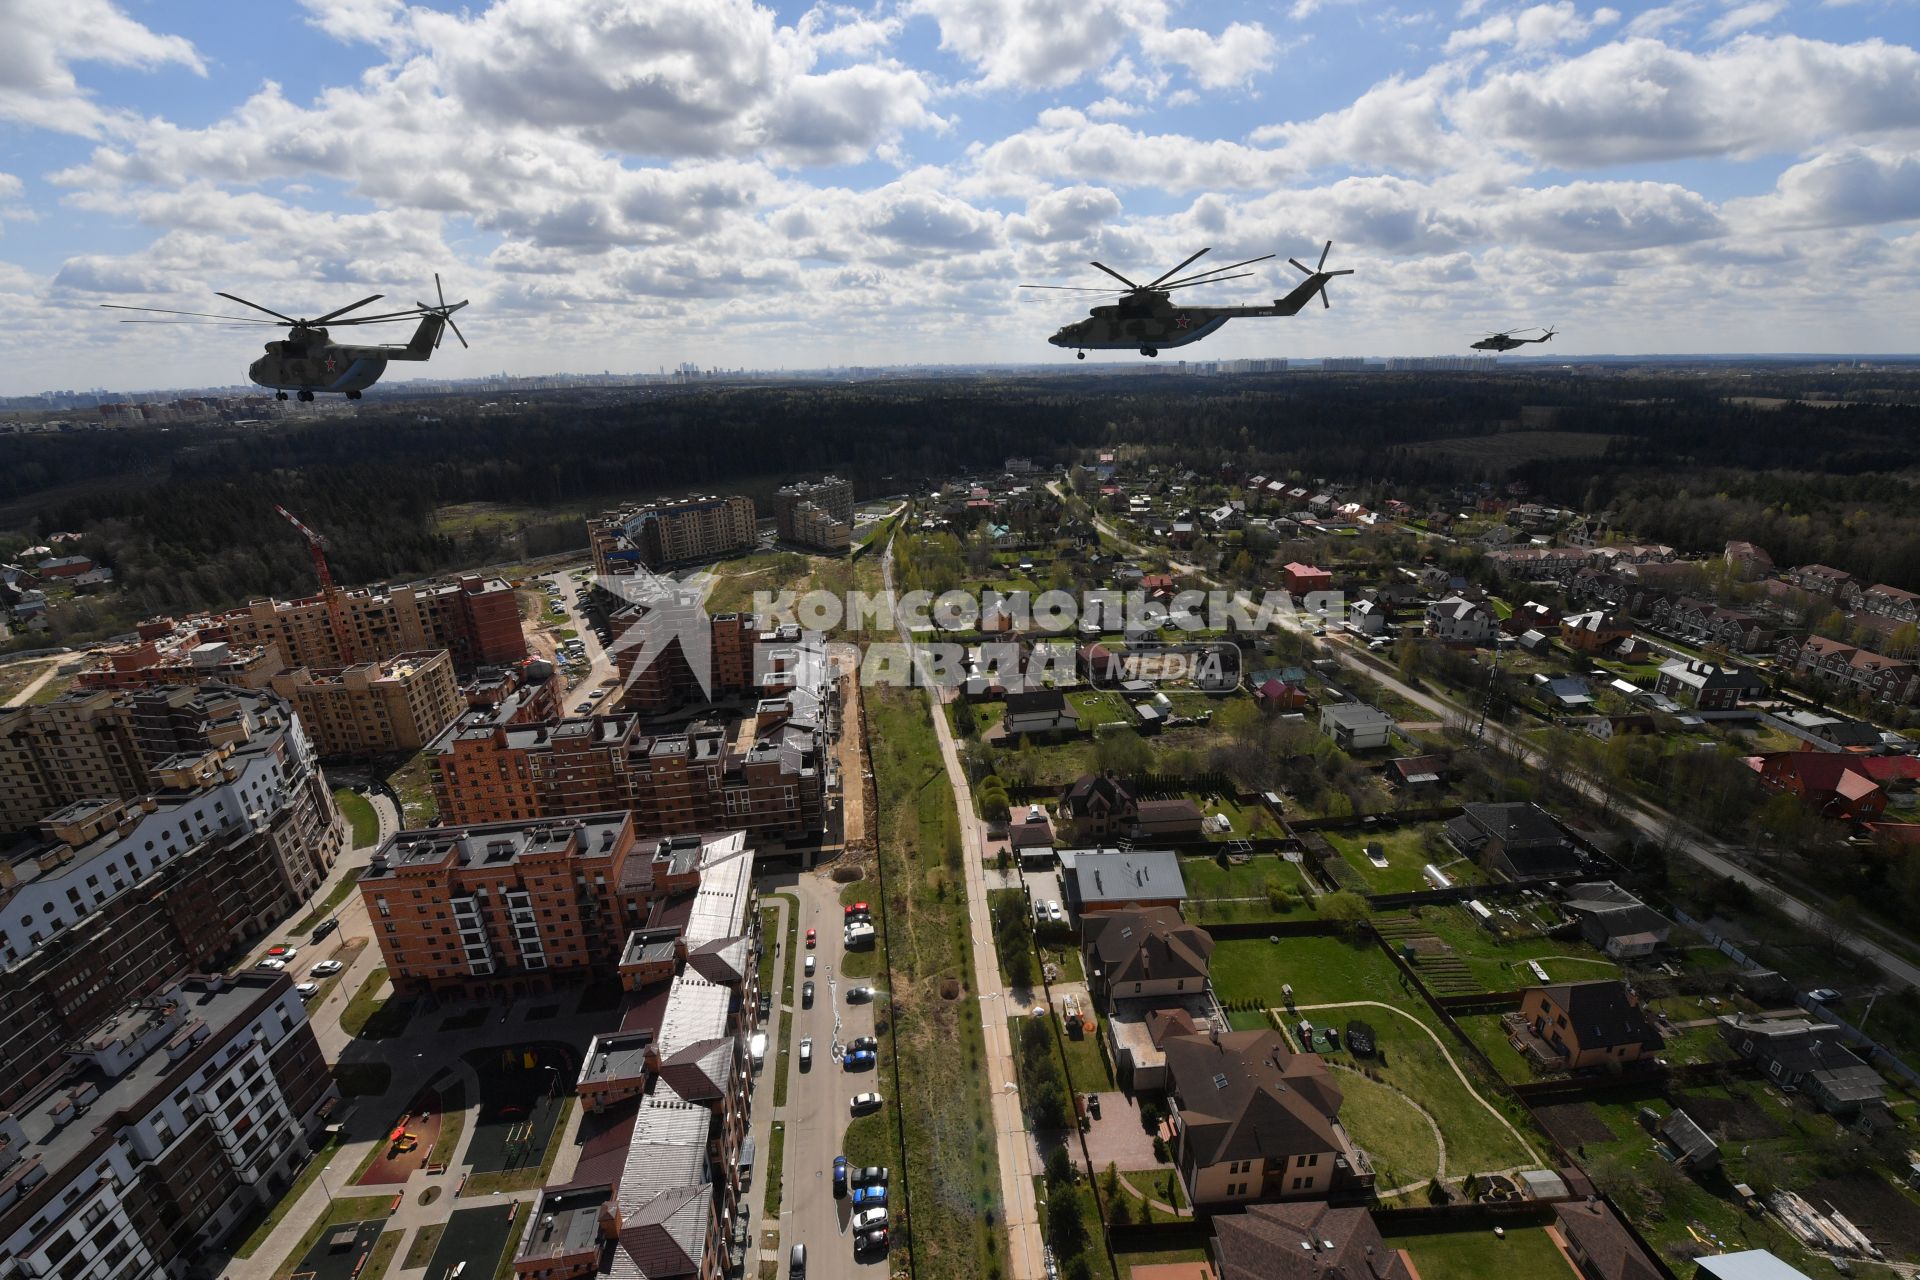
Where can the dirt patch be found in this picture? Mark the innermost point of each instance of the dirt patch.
(1574, 1124)
(1427, 945)
(847, 874)
(950, 989)
(1731, 1119)
(429, 1195)
(1877, 1207)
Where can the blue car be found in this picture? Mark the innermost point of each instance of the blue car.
(839, 1176)
(859, 1059)
(869, 1197)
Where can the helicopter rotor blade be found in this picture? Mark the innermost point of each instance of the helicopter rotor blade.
(456, 332)
(1323, 256)
(1072, 288)
(1116, 275)
(1168, 275)
(349, 307)
(1232, 266)
(1184, 284)
(257, 307)
(167, 311)
(1303, 266)
(438, 292)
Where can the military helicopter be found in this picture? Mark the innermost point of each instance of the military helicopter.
(1143, 317)
(309, 360)
(1505, 341)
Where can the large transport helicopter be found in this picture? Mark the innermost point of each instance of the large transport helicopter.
(1146, 319)
(308, 360)
(1505, 341)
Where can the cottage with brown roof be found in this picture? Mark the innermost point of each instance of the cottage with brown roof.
(1308, 1240)
(1599, 1244)
(1145, 954)
(1591, 1024)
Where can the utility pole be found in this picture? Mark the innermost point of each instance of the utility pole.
(317, 545)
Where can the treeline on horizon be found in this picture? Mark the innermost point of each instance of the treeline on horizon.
(185, 516)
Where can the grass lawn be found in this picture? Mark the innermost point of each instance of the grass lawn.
(949, 1162)
(1407, 854)
(1525, 1254)
(381, 1257)
(1501, 966)
(1207, 879)
(1098, 706)
(1485, 1031)
(413, 783)
(53, 688)
(331, 903)
(776, 1160)
(359, 814)
(1085, 1062)
(16, 676)
(453, 1120)
(356, 1209)
(1335, 971)
(370, 1018)
(420, 1248)
(783, 1066)
(1390, 1128)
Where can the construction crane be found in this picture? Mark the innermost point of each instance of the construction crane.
(317, 545)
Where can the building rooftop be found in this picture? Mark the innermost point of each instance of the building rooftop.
(497, 843)
(565, 1222)
(1123, 876)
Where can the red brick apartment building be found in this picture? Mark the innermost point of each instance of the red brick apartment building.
(507, 908)
(763, 774)
(476, 619)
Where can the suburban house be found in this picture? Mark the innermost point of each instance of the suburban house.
(1039, 711)
(1275, 694)
(1800, 1053)
(1877, 677)
(1702, 685)
(1748, 560)
(1456, 620)
(1299, 578)
(1098, 806)
(1306, 1240)
(1173, 819)
(1599, 1244)
(1834, 785)
(1591, 1024)
(1889, 602)
(1355, 726)
(1031, 834)
(1703, 622)
(1417, 775)
(1562, 693)
(1253, 1120)
(1369, 617)
(1145, 954)
(1593, 631)
(1616, 922)
(1517, 840)
(1098, 880)
(1607, 728)
(1821, 579)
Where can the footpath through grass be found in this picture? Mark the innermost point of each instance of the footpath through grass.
(952, 1171)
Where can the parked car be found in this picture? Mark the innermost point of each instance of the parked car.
(810, 960)
(326, 968)
(868, 1219)
(1825, 995)
(285, 951)
(864, 1042)
(806, 1052)
(812, 938)
(839, 1176)
(859, 1060)
(797, 1263)
(583, 707)
(271, 963)
(857, 911)
(757, 1049)
(306, 990)
(324, 928)
(868, 1197)
(872, 1175)
(1055, 913)
(860, 995)
(806, 995)
(871, 1241)
(861, 1102)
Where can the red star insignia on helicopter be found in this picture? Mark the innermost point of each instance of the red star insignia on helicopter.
(1180, 322)
(329, 366)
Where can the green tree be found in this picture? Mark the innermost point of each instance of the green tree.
(1345, 907)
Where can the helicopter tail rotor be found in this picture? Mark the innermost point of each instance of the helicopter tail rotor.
(445, 311)
(1318, 274)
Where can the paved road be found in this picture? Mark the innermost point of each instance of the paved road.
(1019, 1211)
(601, 663)
(816, 1113)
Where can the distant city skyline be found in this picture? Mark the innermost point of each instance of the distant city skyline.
(867, 184)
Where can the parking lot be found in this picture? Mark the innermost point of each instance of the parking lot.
(818, 1098)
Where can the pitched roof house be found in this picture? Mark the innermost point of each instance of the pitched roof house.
(1591, 1024)
(1306, 1240)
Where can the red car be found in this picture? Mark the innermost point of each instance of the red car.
(810, 938)
(857, 909)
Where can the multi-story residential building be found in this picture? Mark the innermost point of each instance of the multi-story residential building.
(1456, 620)
(510, 907)
(676, 1080)
(476, 619)
(816, 515)
(1885, 601)
(1703, 622)
(170, 1122)
(108, 898)
(669, 533)
(1254, 1120)
(1878, 678)
(169, 655)
(1702, 685)
(1532, 563)
(1820, 579)
(1593, 630)
(668, 681)
(764, 774)
(373, 708)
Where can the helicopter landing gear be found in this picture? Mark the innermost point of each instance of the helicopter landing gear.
(1149, 351)
(1079, 355)
(279, 395)
(353, 395)
(306, 395)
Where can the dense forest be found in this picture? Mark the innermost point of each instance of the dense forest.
(185, 515)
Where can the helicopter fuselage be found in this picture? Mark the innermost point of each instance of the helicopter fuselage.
(307, 360)
(1147, 321)
(1505, 342)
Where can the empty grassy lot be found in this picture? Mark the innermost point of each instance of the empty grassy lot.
(1407, 853)
(1524, 1254)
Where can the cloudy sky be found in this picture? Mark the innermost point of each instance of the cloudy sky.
(622, 184)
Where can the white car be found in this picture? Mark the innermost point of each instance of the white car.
(307, 990)
(1054, 913)
(864, 1102)
(867, 1219)
(272, 964)
(326, 968)
(810, 960)
(757, 1049)
(806, 1051)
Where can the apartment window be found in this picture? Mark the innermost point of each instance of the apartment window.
(1298, 1183)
